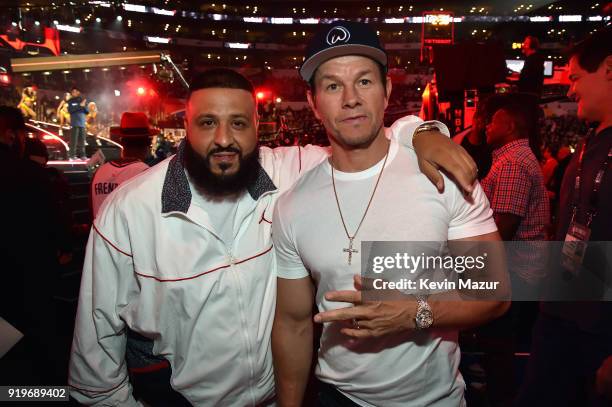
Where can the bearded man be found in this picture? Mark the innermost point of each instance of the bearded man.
(180, 267)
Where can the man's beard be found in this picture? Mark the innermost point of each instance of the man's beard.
(220, 186)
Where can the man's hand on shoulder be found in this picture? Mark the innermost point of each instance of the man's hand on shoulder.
(435, 151)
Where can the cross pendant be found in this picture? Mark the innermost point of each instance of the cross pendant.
(350, 250)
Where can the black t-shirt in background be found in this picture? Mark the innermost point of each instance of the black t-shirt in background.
(531, 79)
(590, 316)
(481, 154)
(594, 157)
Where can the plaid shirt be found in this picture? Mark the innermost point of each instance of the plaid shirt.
(515, 185)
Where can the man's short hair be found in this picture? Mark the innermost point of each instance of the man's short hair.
(11, 118)
(592, 51)
(527, 115)
(523, 113)
(488, 105)
(220, 78)
(382, 70)
(74, 88)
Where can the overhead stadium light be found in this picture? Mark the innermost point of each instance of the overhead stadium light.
(134, 7)
(163, 12)
(540, 19)
(281, 20)
(68, 28)
(157, 40)
(570, 19)
(237, 45)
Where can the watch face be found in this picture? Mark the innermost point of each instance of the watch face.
(424, 318)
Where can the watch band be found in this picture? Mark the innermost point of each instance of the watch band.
(426, 127)
(424, 314)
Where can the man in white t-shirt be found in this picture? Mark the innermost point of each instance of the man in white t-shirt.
(179, 280)
(134, 135)
(369, 190)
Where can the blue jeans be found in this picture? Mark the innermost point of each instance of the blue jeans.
(77, 142)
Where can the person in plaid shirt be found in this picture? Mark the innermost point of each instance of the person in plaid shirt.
(515, 185)
(518, 198)
(516, 191)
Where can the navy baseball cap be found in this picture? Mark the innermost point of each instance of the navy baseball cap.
(338, 39)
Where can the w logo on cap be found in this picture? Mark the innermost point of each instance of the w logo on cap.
(338, 34)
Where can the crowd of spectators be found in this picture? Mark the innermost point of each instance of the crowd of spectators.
(562, 131)
(293, 89)
(404, 94)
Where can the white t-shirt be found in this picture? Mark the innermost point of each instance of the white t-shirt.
(222, 213)
(408, 369)
(109, 176)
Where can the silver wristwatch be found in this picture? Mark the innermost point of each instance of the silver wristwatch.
(426, 127)
(424, 315)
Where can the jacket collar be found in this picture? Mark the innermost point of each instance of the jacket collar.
(176, 194)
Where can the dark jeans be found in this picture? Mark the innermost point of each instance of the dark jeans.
(499, 340)
(562, 366)
(329, 396)
(154, 389)
(77, 142)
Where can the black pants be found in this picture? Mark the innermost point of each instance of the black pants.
(77, 142)
(154, 389)
(329, 396)
(562, 366)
